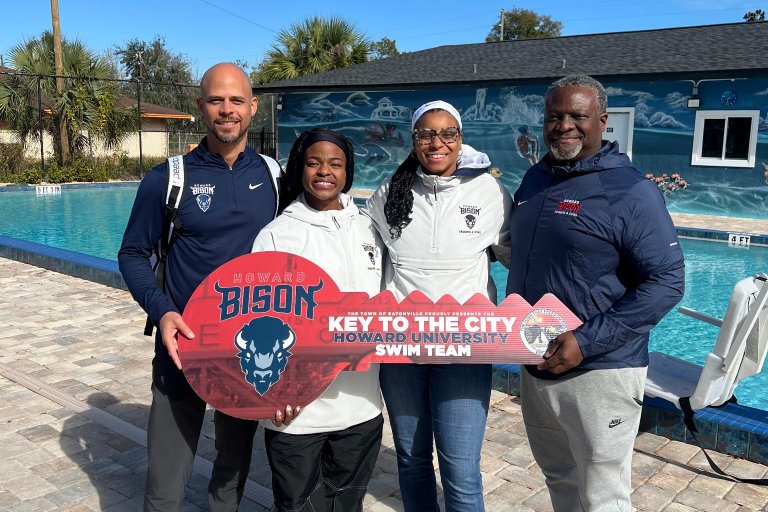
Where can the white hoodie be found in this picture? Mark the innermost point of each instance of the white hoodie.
(345, 245)
(454, 221)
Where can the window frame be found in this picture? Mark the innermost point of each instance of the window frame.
(631, 121)
(698, 138)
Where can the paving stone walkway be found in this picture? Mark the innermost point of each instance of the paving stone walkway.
(74, 401)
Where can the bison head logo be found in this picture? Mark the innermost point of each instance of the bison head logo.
(264, 345)
(470, 220)
(204, 201)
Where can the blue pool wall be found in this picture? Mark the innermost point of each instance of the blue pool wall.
(733, 429)
(71, 186)
(63, 261)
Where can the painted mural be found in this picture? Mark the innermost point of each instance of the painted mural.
(506, 123)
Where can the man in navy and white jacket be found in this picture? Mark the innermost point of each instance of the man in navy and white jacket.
(589, 228)
(229, 195)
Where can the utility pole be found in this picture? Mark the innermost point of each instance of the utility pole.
(58, 63)
(141, 64)
(501, 32)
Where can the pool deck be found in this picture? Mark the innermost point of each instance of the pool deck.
(75, 395)
(726, 224)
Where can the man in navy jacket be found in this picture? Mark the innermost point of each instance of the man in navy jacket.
(229, 195)
(589, 228)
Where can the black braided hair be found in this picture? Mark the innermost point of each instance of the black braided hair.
(399, 203)
(293, 186)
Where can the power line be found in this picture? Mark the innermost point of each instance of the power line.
(565, 22)
(238, 16)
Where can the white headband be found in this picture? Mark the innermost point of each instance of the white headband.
(432, 105)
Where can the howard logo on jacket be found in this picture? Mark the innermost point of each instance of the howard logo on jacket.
(568, 207)
(470, 214)
(203, 195)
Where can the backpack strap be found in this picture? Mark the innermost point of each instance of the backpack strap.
(274, 168)
(276, 173)
(171, 224)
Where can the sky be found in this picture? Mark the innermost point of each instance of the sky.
(211, 31)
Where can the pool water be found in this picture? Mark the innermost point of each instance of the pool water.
(711, 271)
(87, 220)
(92, 221)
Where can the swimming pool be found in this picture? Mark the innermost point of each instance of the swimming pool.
(92, 221)
(89, 220)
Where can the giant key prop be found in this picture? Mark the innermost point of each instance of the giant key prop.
(272, 329)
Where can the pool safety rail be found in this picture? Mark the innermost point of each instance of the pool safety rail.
(739, 352)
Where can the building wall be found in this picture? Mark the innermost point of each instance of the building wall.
(378, 123)
(154, 142)
(32, 148)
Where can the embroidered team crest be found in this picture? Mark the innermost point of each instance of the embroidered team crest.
(371, 251)
(570, 207)
(470, 214)
(264, 348)
(203, 195)
(203, 201)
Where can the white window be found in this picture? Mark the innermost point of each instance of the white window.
(620, 127)
(725, 138)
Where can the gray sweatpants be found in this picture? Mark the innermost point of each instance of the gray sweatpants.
(582, 430)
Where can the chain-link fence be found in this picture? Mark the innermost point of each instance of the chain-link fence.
(121, 127)
(182, 142)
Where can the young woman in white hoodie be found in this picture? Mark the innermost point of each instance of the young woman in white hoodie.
(323, 458)
(441, 217)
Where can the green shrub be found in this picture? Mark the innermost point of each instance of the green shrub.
(125, 168)
(15, 169)
(32, 173)
(56, 174)
(11, 162)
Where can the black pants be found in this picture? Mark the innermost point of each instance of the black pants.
(172, 436)
(327, 472)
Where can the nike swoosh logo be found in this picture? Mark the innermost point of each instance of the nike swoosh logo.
(615, 423)
(521, 202)
(254, 187)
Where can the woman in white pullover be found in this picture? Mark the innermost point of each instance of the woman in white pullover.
(323, 458)
(441, 215)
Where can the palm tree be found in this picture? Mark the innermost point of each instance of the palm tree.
(312, 46)
(89, 106)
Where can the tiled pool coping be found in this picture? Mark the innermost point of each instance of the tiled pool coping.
(715, 235)
(64, 186)
(734, 429)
